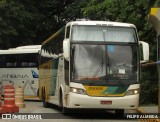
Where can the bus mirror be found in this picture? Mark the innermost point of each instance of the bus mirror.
(144, 51)
(66, 49)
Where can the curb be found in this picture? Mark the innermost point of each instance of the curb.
(140, 110)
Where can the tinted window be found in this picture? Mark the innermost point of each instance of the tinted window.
(103, 33)
(68, 32)
(53, 47)
(18, 60)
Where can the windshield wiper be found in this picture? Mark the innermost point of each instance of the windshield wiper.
(99, 68)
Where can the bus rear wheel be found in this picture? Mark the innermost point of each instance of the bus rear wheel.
(45, 104)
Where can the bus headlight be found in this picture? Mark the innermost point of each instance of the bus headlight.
(132, 92)
(77, 91)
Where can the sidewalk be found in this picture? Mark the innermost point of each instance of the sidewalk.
(148, 109)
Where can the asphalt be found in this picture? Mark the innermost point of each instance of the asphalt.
(148, 109)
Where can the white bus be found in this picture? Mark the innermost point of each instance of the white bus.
(19, 67)
(92, 65)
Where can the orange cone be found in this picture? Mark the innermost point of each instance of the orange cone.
(19, 97)
(9, 100)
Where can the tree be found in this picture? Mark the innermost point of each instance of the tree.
(33, 21)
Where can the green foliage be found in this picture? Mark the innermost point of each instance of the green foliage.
(73, 11)
(157, 3)
(96, 9)
(33, 21)
(149, 86)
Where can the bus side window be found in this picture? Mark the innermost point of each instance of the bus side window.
(39, 58)
(2, 61)
(11, 60)
(25, 64)
(66, 70)
(32, 64)
(11, 64)
(68, 32)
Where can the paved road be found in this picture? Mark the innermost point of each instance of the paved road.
(149, 109)
(54, 112)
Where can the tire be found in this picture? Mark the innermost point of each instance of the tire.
(60, 100)
(45, 104)
(38, 92)
(65, 111)
(119, 113)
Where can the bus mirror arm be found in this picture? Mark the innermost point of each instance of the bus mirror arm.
(144, 48)
(66, 49)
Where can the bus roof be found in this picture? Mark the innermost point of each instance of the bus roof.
(29, 47)
(98, 23)
(22, 50)
(102, 23)
(14, 51)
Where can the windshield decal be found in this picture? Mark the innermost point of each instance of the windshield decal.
(34, 74)
(106, 90)
(111, 48)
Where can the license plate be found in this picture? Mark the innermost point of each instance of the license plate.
(106, 102)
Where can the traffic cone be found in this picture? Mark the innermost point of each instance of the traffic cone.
(9, 100)
(19, 97)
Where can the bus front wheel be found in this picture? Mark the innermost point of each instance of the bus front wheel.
(65, 110)
(119, 112)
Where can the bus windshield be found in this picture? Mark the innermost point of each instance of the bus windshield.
(103, 33)
(104, 64)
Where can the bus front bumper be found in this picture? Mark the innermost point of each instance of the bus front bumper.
(84, 101)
